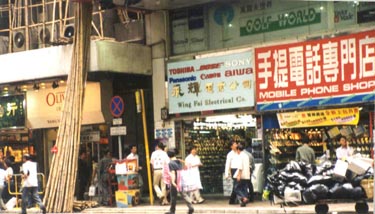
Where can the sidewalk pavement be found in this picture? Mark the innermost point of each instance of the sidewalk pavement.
(218, 205)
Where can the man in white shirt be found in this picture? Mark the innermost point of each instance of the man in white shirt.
(231, 166)
(243, 176)
(344, 151)
(30, 184)
(159, 159)
(134, 156)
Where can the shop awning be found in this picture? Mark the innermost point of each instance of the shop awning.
(44, 107)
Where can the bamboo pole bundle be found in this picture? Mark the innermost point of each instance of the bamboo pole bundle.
(59, 196)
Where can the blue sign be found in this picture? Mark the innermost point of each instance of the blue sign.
(117, 106)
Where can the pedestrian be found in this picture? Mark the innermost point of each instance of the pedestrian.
(242, 176)
(134, 156)
(9, 181)
(83, 175)
(193, 162)
(252, 167)
(159, 159)
(304, 152)
(3, 177)
(104, 178)
(30, 184)
(230, 169)
(175, 168)
(344, 151)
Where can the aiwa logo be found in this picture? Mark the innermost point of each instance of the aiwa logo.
(224, 14)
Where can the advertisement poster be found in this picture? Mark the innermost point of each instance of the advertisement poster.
(212, 83)
(329, 117)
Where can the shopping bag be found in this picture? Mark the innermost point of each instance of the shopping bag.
(92, 189)
(227, 186)
(11, 203)
(340, 169)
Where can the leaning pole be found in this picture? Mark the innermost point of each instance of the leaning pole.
(59, 194)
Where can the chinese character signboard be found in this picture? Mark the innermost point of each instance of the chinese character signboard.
(213, 83)
(329, 117)
(12, 111)
(329, 71)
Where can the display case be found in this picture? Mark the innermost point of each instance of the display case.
(281, 144)
(258, 150)
(212, 152)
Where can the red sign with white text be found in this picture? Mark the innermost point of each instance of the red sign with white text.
(339, 66)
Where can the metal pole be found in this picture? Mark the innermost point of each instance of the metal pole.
(147, 149)
(119, 148)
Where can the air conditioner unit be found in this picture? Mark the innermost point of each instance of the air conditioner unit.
(19, 40)
(4, 44)
(69, 31)
(45, 34)
(131, 31)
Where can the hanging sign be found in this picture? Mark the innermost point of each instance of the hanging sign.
(336, 70)
(12, 111)
(329, 117)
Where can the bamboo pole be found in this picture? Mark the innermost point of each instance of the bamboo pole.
(147, 149)
(10, 49)
(60, 188)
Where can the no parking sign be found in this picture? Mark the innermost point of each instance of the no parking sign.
(117, 106)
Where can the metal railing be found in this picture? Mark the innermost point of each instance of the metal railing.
(15, 187)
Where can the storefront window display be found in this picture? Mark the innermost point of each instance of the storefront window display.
(212, 137)
(282, 143)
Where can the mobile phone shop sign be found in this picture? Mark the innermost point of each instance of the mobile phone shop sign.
(212, 83)
(329, 71)
(12, 111)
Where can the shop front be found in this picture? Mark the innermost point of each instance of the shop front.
(211, 101)
(43, 117)
(323, 89)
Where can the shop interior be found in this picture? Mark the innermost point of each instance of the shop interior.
(281, 144)
(212, 136)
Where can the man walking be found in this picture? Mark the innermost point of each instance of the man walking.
(159, 159)
(30, 184)
(231, 166)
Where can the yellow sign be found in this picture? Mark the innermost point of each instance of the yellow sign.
(329, 117)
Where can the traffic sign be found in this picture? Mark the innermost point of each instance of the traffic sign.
(117, 121)
(117, 106)
(118, 130)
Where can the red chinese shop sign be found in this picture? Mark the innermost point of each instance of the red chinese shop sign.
(330, 71)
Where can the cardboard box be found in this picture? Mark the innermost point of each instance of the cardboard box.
(128, 181)
(359, 165)
(135, 196)
(292, 195)
(122, 199)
